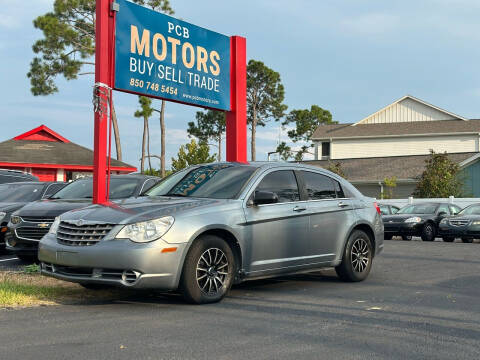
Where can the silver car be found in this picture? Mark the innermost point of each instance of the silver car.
(209, 226)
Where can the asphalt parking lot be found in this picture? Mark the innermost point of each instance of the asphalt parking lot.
(422, 301)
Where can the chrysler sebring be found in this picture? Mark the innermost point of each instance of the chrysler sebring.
(209, 226)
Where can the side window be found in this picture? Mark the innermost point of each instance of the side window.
(394, 209)
(338, 189)
(454, 210)
(319, 186)
(384, 209)
(443, 208)
(52, 189)
(283, 183)
(147, 185)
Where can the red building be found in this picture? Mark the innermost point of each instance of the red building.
(51, 157)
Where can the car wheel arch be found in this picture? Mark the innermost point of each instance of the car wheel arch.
(367, 230)
(228, 237)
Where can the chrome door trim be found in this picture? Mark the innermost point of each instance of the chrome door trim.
(274, 261)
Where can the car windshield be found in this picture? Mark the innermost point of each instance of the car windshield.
(20, 192)
(83, 189)
(418, 209)
(216, 181)
(470, 210)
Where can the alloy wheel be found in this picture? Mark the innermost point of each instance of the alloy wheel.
(360, 255)
(212, 271)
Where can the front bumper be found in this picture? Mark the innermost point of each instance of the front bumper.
(403, 228)
(114, 262)
(470, 232)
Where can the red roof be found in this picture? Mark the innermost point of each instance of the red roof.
(42, 133)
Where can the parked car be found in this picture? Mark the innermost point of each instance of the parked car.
(418, 220)
(29, 224)
(386, 210)
(15, 195)
(465, 225)
(207, 226)
(11, 176)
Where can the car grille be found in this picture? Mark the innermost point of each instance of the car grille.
(459, 222)
(82, 235)
(31, 233)
(39, 219)
(394, 220)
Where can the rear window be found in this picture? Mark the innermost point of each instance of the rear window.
(20, 192)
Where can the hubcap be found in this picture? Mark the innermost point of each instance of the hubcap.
(360, 255)
(212, 271)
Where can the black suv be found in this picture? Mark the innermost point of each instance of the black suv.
(10, 176)
(29, 224)
(16, 195)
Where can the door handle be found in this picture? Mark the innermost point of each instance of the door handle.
(342, 204)
(299, 209)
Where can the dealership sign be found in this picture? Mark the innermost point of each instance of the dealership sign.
(159, 56)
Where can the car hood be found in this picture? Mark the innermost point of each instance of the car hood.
(467, 217)
(52, 208)
(9, 207)
(403, 217)
(143, 209)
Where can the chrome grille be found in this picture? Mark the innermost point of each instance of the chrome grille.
(82, 235)
(459, 222)
(39, 219)
(31, 233)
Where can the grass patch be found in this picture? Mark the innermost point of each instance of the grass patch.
(32, 289)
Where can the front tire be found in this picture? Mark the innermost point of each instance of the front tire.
(357, 258)
(428, 232)
(208, 271)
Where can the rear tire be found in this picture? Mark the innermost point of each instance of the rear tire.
(428, 232)
(208, 271)
(448, 239)
(467, 240)
(357, 258)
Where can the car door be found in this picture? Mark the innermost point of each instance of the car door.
(331, 215)
(277, 232)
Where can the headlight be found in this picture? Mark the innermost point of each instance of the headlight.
(2, 215)
(54, 227)
(146, 231)
(15, 219)
(444, 221)
(476, 222)
(414, 219)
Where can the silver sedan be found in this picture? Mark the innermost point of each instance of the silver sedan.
(209, 226)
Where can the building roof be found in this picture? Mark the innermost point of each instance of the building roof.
(324, 132)
(42, 147)
(415, 110)
(378, 168)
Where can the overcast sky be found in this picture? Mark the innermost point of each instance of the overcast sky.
(351, 57)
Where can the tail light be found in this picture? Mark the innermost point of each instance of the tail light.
(377, 208)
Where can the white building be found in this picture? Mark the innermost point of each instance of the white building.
(396, 141)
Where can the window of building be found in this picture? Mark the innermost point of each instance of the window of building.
(325, 149)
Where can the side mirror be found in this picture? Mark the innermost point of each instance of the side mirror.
(442, 214)
(264, 197)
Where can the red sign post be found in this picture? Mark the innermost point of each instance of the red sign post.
(236, 127)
